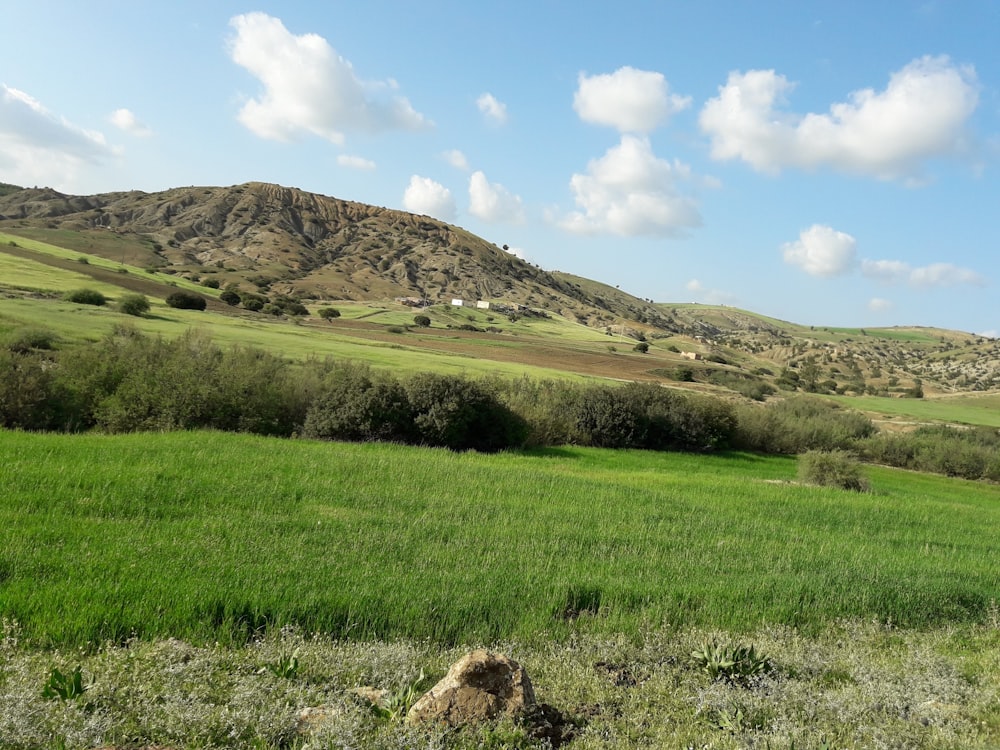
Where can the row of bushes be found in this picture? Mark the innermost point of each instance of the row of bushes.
(131, 382)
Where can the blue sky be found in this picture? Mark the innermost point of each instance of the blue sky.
(828, 163)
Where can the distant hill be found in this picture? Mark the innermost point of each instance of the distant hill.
(287, 241)
(320, 247)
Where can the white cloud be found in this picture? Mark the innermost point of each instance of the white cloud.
(633, 101)
(125, 119)
(821, 251)
(934, 274)
(886, 271)
(944, 274)
(425, 196)
(309, 88)
(630, 191)
(886, 134)
(39, 148)
(878, 304)
(493, 202)
(457, 159)
(494, 110)
(355, 162)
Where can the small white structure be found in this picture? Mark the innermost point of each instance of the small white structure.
(691, 355)
(483, 305)
(457, 303)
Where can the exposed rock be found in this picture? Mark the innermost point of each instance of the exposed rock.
(480, 686)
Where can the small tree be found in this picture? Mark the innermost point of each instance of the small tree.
(86, 297)
(230, 297)
(329, 313)
(134, 304)
(642, 347)
(186, 301)
(422, 320)
(832, 469)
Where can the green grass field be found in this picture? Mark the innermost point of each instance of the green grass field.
(971, 409)
(209, 536)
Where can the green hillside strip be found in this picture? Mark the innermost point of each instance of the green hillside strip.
(209, 536)
(967, 409)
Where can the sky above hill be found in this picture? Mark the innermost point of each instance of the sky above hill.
(827, 163)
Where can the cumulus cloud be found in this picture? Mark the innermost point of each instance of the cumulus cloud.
(878, 304)
(457, 159)
(39, 147)
(944, 274)
(934, 274)
(492, 202)
(425, 196)
(633, 101)
(630, 191)
(886, 134)
(308, 88)
(494, 110)
(125, 119)
(886, 271)
(821, 251)
(355, 162)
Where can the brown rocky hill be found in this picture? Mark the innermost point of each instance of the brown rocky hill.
(291, 241)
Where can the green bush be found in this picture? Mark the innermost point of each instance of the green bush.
(211, 283)
(329, 313)
(182, 300)
(642, 347)
(422, 320)
(24, 340)
(645, 415)
(134, 304)
(356, 404)
(832, 469)
(86, 297)
(461, 414)
(230, 297)
(795, 425)
(254, 302)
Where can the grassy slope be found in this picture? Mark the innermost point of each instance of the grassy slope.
(206, 536)
(553, 347)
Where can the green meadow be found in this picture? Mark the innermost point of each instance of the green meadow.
(209, 536)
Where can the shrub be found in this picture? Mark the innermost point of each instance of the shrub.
(211, 283)
(25, 340)
(356, 404)
(422, 320)
(86, 297)
(608, 418)
(795, 425)
(230, 297)
(254, 302)
(329, 313)
(134, 304)
(182, 300)
(294, 307)
(461, 414)
(642, 347)
(832, 469)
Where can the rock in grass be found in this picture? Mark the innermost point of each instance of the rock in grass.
(478, 687)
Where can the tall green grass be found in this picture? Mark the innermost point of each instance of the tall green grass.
(210, 536)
